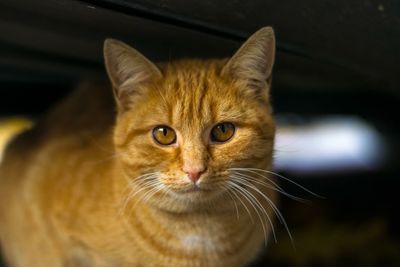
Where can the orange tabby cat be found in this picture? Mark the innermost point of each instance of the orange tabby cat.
(171, 176)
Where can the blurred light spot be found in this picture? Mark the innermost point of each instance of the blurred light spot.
(331, 144)
(10, 127)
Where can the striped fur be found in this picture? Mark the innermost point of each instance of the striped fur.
(88, 187)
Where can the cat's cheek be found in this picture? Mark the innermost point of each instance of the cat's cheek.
(229, 151)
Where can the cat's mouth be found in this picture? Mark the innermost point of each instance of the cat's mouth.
(195, 189)
(196, 193)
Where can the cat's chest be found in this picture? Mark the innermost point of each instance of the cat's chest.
(213, 235)
(196, 241)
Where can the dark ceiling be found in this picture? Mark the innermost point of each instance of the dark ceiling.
(323, 45)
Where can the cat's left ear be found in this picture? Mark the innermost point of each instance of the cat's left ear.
(127, 68)
(254, 60)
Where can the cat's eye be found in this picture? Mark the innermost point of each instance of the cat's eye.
(164, 135)
(222, 132)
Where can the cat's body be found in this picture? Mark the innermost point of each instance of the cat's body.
(79, 189)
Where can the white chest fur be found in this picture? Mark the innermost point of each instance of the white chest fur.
(191, 242)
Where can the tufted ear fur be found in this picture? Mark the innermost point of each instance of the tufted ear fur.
(254, 60)
(127, 69)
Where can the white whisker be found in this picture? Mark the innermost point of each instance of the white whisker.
(133, 193)
(243, 204)
(274, 208)
(234, 202)
(256, 205)
(154, 191)
(280, 176)
(144, 181)
(264, 212)
(279, 189)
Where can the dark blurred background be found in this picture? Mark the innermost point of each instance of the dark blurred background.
(335, 94)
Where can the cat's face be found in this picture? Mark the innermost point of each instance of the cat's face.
(183, 126)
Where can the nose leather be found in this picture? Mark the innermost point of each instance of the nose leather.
(194, 173)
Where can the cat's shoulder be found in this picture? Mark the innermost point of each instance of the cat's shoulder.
(89, 107)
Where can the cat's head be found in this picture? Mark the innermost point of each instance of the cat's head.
(183, 126)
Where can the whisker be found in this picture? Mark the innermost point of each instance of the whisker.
(254, 172)
(280, 190)
(280, 176)
(157, 186)
(144, 186)
(150, 195)
(133, 193)
(264, 212)
(274, 208)
(145, 181)
(255, 203)
(234, 202)
(140, 177)
(243, 204)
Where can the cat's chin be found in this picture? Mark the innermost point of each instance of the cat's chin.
(194, 193)
(193, 189)
(197, 201)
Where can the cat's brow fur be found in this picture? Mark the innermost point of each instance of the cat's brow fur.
(88, 186)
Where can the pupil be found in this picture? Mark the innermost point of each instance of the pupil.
(223, 128)
(164, 130)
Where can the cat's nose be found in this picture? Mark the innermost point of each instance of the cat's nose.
(194, 172)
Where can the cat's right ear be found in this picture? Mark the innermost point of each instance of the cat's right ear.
(127, 68)
(254, 61)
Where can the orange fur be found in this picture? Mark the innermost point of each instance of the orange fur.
(72, 190)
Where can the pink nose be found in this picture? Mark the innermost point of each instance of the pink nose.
(194, 173)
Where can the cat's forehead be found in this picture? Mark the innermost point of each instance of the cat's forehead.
(192, 82)
(192, 74)
(196, 93)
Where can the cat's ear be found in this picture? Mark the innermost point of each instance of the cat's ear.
(127, 68)
(254, 60)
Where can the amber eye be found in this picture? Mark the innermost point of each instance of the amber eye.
(222, 132)
(164, 135)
